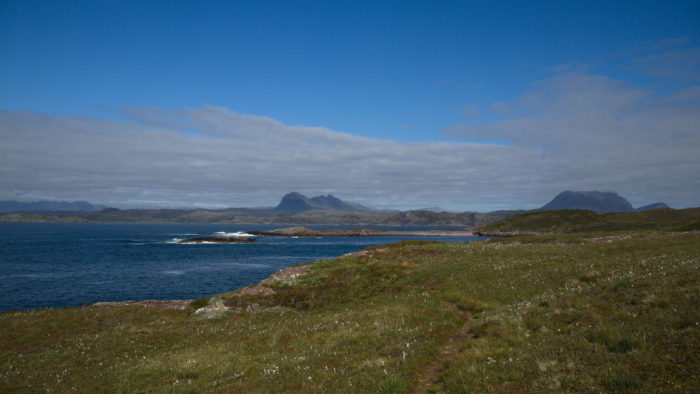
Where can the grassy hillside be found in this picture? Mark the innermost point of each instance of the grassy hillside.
(555, 314)
(587, 221)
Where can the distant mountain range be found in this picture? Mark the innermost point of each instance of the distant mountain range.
(293, 209)
(595, 201)
(48, 206)
(295, 202)
(297, 209)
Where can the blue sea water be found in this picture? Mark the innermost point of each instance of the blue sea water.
(52, 265)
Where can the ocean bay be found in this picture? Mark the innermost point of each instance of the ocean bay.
(54, 265)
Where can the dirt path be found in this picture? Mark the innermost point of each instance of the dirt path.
(431, 374)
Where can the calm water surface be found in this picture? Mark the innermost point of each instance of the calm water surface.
(70, 264)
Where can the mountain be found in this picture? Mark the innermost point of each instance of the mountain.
(656, 205)
(591, 200)
(295, 202)
(46, 206)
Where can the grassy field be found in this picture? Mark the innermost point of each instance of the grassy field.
(561, 313)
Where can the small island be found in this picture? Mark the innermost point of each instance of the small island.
(220, 238)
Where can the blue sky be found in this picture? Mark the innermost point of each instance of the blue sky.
(405, 73)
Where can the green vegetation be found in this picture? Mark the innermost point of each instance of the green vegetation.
(537, 314)
(576, 220)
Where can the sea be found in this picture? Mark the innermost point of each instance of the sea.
(56, 265)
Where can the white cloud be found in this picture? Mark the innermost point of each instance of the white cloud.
(676, 63)
(606, 134)
(217, 157)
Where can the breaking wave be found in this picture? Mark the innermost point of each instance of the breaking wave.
(236, 234)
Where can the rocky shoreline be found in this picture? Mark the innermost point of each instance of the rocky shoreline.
(260, 289)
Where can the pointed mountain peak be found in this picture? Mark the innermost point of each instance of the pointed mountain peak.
(296, 202)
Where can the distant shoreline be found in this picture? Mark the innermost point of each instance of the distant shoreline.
(438, 227)
(307, 232)
(306, 218)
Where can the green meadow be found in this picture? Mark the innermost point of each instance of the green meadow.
(564, 312)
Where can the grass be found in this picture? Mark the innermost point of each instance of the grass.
(538, 314)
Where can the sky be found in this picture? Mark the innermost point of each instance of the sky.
(463, 105)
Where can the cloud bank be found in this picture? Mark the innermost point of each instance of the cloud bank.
(574, 130)
(215, 157)
(608, 135)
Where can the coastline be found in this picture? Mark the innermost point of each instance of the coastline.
(307, 232)
(169, 265)
(260, 288)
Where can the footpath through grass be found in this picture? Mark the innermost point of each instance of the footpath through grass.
(542, 314)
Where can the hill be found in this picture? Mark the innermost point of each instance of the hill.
(590, 200)
(566, 221)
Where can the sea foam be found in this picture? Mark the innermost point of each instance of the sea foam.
(236, 234)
